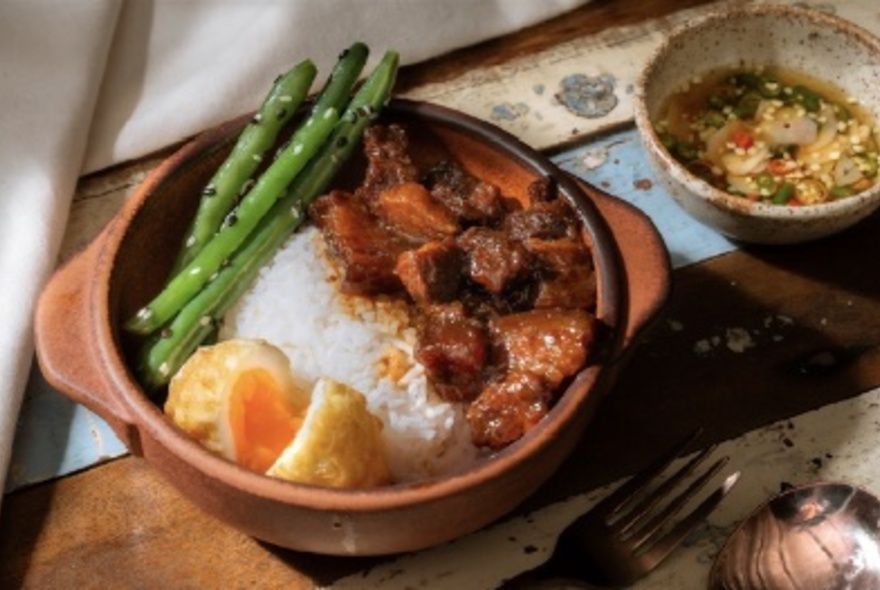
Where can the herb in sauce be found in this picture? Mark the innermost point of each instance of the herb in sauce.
(771, 135)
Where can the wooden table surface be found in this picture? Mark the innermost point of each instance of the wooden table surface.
(119, 525)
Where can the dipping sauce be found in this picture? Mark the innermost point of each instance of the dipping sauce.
(771, 135)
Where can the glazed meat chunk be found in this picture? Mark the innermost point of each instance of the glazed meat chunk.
(411, 210)
(508, 409)
(565, 276)
(493, 260)
(544, 219)
(549, 343)
(388, 161)
(454, 349)
(431, 273)
(366, 251)
(542, 190)
(471, 199)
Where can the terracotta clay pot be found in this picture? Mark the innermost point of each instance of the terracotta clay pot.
(83, 352)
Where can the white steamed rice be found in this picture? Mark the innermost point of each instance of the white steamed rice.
(295, 304)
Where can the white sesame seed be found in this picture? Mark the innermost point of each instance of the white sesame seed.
(298, 148)
(190, 241)
(164, 369)
(285, 98)
(196, 270)
(257, 157)
(205, 320)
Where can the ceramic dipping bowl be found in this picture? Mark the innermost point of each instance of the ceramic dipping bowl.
(83, 351)
(801, 40)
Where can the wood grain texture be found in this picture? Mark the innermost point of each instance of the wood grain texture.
(594, 17)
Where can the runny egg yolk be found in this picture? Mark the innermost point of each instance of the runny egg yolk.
(260, 419)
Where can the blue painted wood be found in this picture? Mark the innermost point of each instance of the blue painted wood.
(56, 436)
(617, 164)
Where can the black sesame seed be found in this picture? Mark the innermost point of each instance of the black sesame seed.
(210, 190)
(341, 142)
(281, 114)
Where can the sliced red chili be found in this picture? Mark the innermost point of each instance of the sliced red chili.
(742, 138)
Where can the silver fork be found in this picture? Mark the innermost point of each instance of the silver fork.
(631, 531)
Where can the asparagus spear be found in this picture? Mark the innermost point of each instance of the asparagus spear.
(290, 161)
(222, 191)
(165, 353)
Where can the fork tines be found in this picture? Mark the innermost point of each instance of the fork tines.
(628, 510)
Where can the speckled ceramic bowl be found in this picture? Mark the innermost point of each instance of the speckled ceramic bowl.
(83, 352)
(808, 41)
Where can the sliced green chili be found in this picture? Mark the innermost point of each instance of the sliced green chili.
(783, 194)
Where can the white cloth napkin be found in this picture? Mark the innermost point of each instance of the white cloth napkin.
(52, 58)
(89, 83)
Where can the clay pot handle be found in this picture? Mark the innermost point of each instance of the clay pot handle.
(65, 332)
(646, 268)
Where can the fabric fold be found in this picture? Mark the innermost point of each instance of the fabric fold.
(178, 68)
(52, 57)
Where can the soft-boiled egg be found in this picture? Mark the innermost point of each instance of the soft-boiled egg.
(340, 443)
(240, 399)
